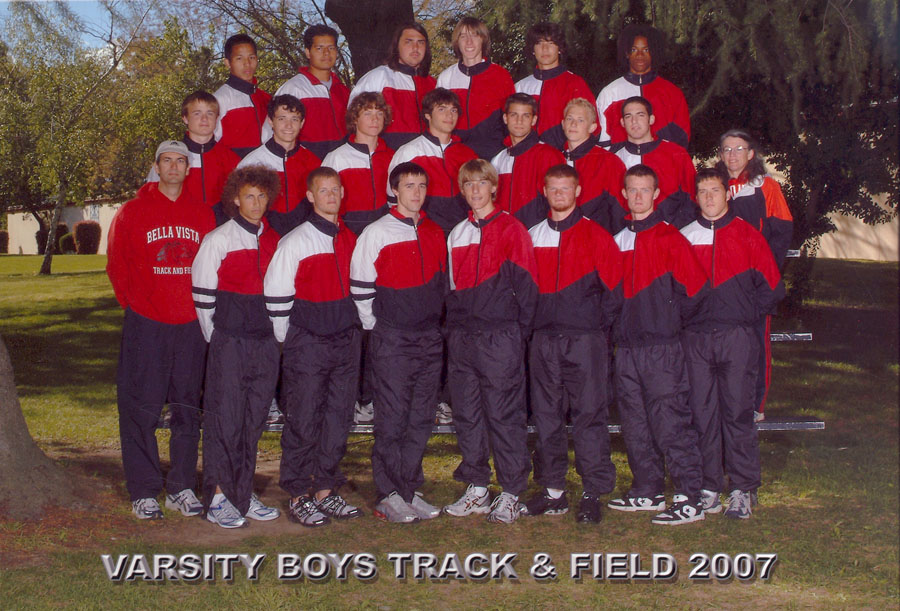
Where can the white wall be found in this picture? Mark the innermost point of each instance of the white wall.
(23, 226)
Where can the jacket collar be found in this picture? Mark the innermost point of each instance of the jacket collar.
(248, 226)
(305, 71)
(568, 222)
(480, 223)
(324, 225)
(434, 140)
(407, 70)
(644, 224)
(640, 79)
(581, 150)
(641, 149)
(478, 68)
(721, 222)
(405, 219)
(522, 147)
(546, 75)
(381, 147)
(196, 147)
(277, 149)
(241, 85)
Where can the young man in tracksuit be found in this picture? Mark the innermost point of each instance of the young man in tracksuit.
(522, 164)
(672, 165)
(662, 282)
(308, 295)
(601, 174)
(403, 81)
(638, 46)
(579, 273)
(284, 154)
(398, 280)
(242, 105)
(720, 344)
(481, 86)
(320, 89)
(242, 367)
(551, 84)
(441, 154)
(490, 311)
(152, 242)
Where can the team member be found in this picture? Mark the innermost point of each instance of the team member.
(720, 343)
(489, 315)
(441, 154)
(209, 164)
(362, 162)
(601, 173)
(662, 281)
(152, 242)
(308, 295)
(404, 81)
(638, 46)
(757, 198)
(522, 164)
(579, 272)
(320, 89)
(286, 156)
(670, 162)
(551, 84)
(242, 105)
(398, 279)
(242, 367)
(481, 86)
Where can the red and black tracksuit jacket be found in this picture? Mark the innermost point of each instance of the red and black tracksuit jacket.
(761, 203)
(323, 129)
(520, 170)
(553, 89)
(601, 176)
(482, 90)
(398, 273)
(673, 120)
(675, 170)
(363, 176)
(403, 90)
(308, 283)
(291, 207)
(492, 274)
(242, 114)
(210, 166)
(444, 204)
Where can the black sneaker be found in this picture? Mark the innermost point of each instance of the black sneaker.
(543, 503)
(306, 512)
(681, 511)
(589, 509)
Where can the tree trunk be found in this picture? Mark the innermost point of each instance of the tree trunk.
(28, 479)
(368, 26)
(54, 222)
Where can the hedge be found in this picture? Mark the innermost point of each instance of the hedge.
(87, 237)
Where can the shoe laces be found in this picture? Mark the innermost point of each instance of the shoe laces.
(739, 500)
(505, 503)
(227, 510)
(148, 505)
(334, 503)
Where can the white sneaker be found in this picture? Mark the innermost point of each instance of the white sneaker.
(224, 514)
(260, 512)
(393, 508)
(470, 502)
(444, 414)
(275, 415)
(186, 502)
(146, 509)
(364, 413)
(710, 501)
(505, 508)
(424, 509)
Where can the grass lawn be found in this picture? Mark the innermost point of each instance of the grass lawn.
(828, 506)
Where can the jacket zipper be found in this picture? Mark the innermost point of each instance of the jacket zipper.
(712, 270)
(202, 173)
(287, 200)
(372, 176)
(478, 260)
(421, 253)
(337, 264)
(446, 171)
(558, 260)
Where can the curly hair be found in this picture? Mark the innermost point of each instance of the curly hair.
(258, 176)
(626, 40)
(365, 101)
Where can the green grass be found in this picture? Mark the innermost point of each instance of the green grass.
(828, 506)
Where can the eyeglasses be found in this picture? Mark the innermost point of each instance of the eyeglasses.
(727, 150)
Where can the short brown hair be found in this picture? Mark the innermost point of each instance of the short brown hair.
(253, 175)
(321, 172)
(365, 101)
(561, 171)
(475, 26)
(521, 98)
(641, 171)
(477, 169)
(199, 96)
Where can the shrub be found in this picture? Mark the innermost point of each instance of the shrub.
(41, 236)
(67, 244)
(87, 237)
(4, 241)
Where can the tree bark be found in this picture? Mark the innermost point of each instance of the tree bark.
(368, 26)
(28, 479)
(54, 223)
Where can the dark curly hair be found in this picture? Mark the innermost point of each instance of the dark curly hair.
(654, 41)
(253, 175)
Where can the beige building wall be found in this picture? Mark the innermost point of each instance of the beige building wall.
(23, 226)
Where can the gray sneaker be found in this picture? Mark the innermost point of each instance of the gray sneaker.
(710, 501)
(505, 508)
(147, 509)
(186, 502)
(444, 414)
(424, 509)
(738, 505)
(260, 512)
(364, 413)
(222, 513)
(275, 415)
(306, 513)
(470, 502)
(334, 506)
(393, 508)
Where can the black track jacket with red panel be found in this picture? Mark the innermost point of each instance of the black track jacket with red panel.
(227, 279)
(444, 204)
(601, 176)
(482, 90)
(493, 274)
(744, 281)
(242, 114)
(553, 89)
(398, 273)
(579, 273)
(363, 176)
(661, 280)
(761, 203)
(520, 170)
(673, 120)
(308, 282)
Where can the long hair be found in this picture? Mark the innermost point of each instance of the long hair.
(393, 61)
(756, 167)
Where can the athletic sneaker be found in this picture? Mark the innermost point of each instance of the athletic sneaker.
(505, 508)
(738, 505)
(393, 508)
(306, 513)
(681, 511)
(147, 509)
(275, 416)
(710, 501)
(444, 414)
(260, 512)
(224, 514)
(589, 509)
(758, 417)
(638, 503)
(470, 502)
(424, 509)
(543, 503)
(334, 506)
(364, 413)
(186, 502)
